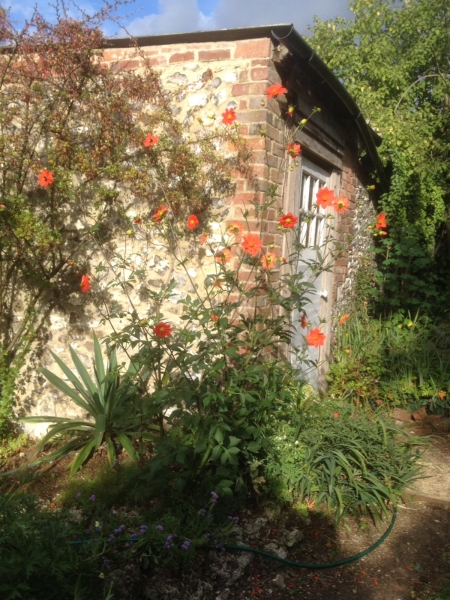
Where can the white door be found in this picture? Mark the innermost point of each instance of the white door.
(312, 237)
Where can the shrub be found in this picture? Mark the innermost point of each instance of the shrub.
(112, 404)
(400, 360)
(344, 459)
(37, 560)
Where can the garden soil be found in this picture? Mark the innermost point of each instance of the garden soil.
(413, 562)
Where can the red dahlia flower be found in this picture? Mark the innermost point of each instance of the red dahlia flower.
(341, 205)
(235, 228)
(162, 330)
(151, 140)
(229, 116)
(343, 319)
(275, 90)
(269, 260)
(252, 244)
(45, 178)
(294, 149)
(325, 197)
(315, 338)
(85, 284)
(192, 222)
(288, 221)
(381, 221)
(159, 214)
(223, 256)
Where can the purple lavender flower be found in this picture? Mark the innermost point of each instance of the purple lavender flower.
(202, 512)
(134, 535)
(185, 545)
(92, 498)
(120, 529)
(234, 519)
(214, 497)
(160, 528)
(143, 529)
(78, 494)
(111, 537)
(169, 544)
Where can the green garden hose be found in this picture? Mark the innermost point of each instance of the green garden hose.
(291, 563)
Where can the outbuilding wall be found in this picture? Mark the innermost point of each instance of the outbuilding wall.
(207, 78)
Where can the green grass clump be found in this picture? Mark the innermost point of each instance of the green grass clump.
(346, 460)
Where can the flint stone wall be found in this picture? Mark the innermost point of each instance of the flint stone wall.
(207, 79)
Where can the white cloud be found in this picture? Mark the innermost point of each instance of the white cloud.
(177, 16)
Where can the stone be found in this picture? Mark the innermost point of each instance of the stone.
(215, 83)
(279, 582)
(292, 537)
(420, 414)
(178, 79)
(277, 550)
(255, 526)
(191, 67)
(402, 415)
(220, 97)
(230, 77)
(195, 86)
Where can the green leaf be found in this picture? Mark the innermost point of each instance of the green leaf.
(82, 457)
(100, 426)
(128, 445)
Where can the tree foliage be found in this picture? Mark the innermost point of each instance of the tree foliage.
(393, 58)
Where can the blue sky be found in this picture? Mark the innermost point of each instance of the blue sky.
(151, 17)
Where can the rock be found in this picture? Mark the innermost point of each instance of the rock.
(420, 415)
(254, 527)
(230, 77)
(178, 79)
(215, 82)
(277, 550)
(292, 537)
(279, 582)
(402, 415)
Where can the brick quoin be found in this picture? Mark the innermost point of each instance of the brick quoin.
(259, 74)
(253, 48)
(248, 89)
(209, 55)
(181, 57)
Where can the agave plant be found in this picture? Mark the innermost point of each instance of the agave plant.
(110, 402)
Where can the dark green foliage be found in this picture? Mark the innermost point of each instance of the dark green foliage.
(38, 563)
(393, 59)
(396, 361)
(218, 436)
(344, 459)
